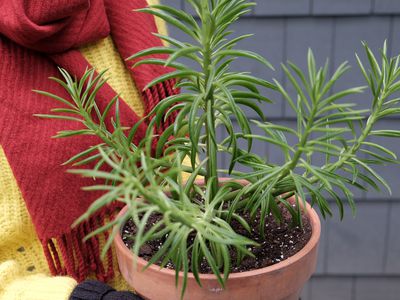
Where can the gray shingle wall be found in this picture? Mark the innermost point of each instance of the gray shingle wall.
(359, 257)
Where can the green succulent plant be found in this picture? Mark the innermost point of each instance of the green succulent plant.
(150, 180)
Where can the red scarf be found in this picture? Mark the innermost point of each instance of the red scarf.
(35, 37)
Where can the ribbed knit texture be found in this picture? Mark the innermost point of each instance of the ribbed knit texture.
(54, 26)
(54, 199)
(23, 267)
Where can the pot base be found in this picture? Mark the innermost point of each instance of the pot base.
(282, 281)
(295, 296)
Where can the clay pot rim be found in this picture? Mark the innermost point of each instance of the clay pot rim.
(312, 243)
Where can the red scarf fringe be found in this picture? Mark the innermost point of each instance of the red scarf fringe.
(70, 255)
(157, 93)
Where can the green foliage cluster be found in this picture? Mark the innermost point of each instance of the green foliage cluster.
(215, 96)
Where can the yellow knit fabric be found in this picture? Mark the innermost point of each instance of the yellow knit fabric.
(103, 55)
(24, 273)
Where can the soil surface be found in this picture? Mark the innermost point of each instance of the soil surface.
(281, 241)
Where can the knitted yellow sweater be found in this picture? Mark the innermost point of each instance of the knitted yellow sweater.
(24, 273)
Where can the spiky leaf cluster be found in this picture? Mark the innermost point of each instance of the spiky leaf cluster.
(149, 186)
(215, 95)
(328, 126)
(331, 128)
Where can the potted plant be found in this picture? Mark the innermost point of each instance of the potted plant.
(211, 238)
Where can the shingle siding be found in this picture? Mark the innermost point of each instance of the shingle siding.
(357, 245)
(392, 258)
(377, 288)
(390, 174)
(349, 35)
(303, 34)
(330, 288)
(386, 6)
(174, 3)
(322, 250)
(282, 7)
(395, 34)
(352, 288)
(341, 7)
(268, 40)
(359, 257)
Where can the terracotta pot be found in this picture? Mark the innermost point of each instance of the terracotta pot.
(282, 281)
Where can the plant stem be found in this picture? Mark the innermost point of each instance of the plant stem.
(103, 134)
(211, 144)
(368, 128)
(302, 143)
(356, 146)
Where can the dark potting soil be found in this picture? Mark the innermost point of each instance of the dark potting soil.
(282, 240)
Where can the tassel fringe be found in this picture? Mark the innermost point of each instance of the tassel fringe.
(69, 255)
(155, 95)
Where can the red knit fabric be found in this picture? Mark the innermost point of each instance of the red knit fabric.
(35, 37)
